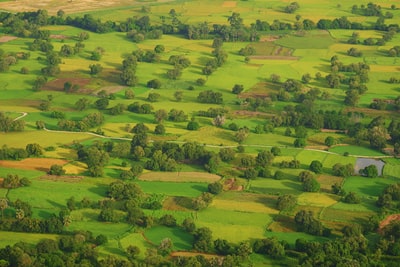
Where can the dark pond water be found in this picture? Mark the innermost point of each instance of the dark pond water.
(361, 163)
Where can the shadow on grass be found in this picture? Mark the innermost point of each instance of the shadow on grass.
(56, 204)
(99, 190)
(198, 188)
(45, 214)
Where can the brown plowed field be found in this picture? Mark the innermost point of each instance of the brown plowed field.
(39, 164)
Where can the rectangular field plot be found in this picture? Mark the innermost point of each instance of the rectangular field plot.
(316, 199)
(180, 239)
(326, 182)
(367, 187)
(366, 205)
(271, 186)
(356, 150)
(10, 238)
(392, 168)
(331, 214)
(233, 233)
(48, 197)
(173, 189)
(331, 160)
(307, 156)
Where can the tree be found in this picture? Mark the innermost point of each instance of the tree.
(369, 171)
(226, 154)
(193, 125)
(153, 97)
(95, 69)
(352, 97)
(56, 169)
(34, 150)
(330, 141)
(351, 198)
(102, 103)
(159, 129)
(155, 84)
(82, 104)
(166, 246)
(316, 166)
(219, 120)
(202, 239)
(286, 202)
(178, 96)
(311, 185)
(237, 89)
(215, 188)
(241, 134)
(299, 142)
(3, 205)
(160, 115)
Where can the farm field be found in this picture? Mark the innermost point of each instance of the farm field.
(199, 133)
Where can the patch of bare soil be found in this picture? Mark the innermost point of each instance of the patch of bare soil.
(248, 113)
(229, 4)
(323, 130)
(194, 254)
(58, 36)
(58, 84)
(231, 185)
(274, 57)
(269, 38)
(68, 179)
(6, 38)
(388, 220)
(112, 89)
(40, 164)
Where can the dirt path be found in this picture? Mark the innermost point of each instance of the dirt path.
(206, 145)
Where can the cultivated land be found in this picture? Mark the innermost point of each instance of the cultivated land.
(180, 166)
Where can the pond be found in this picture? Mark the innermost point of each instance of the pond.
(361, 163)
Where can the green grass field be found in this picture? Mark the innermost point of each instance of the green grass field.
(233, 215)
(180, 239)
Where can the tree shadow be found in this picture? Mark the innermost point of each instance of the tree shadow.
(55, 204)
(198, 188)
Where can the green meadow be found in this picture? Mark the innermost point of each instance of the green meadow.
(246, 209)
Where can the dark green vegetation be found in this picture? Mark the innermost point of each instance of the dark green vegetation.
(165, 134)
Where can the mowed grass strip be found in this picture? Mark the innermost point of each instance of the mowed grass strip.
(356, 150)
(307, 156)
(326, 181)
(233, 233)
(243, 206)
(333, 214)
(316, 199)
(173, 189)
(201, 177)
(10, 238)
(271, 186)
(332, 159)
(367, 187)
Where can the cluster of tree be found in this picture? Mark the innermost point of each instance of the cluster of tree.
(212, 112)
(343, 170)
(370, 10)
(7, 60)
(292, 7)
(394, 51)
(14, 181)
(76, 248)
(210, 96)
(306, 222)
(136, 107)
(86, 123)
(128, 74)
(9, 153)
(220, 57)
(309, 183)
(8, 124)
